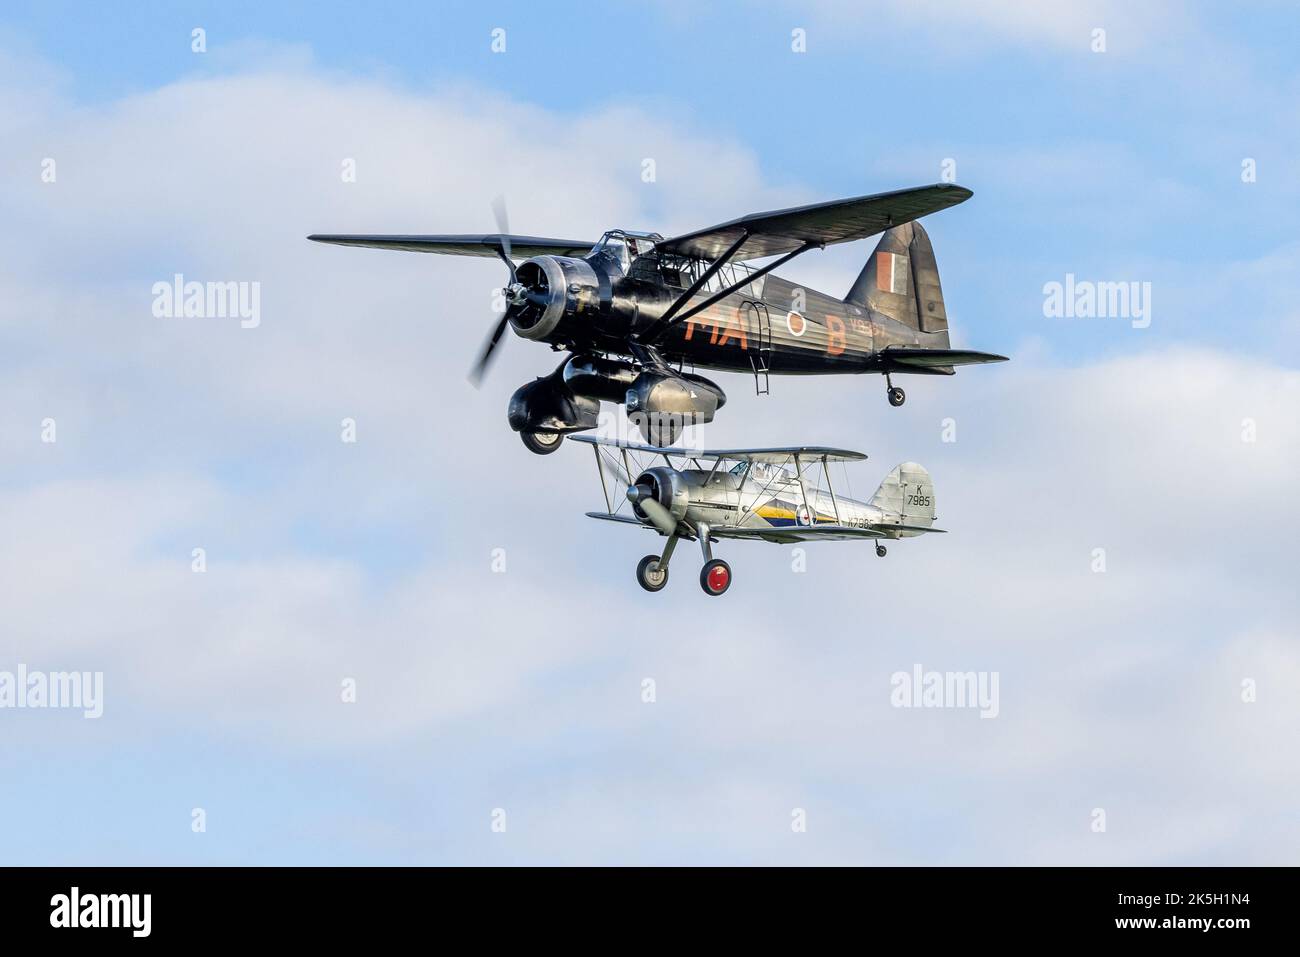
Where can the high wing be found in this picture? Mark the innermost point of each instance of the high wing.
(811, 452)
(786, 534)
(521, 247)
(821, 224)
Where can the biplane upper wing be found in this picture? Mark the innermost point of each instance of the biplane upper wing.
(821, 224)
(521, 247)
(810, 452)
(787, 534)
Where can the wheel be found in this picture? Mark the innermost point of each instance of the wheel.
(880, 551)
(649, 575)
(543, 443)
(897, 396)
(715, 577)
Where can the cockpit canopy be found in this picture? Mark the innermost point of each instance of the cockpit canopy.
(763, 472)
(623, 246)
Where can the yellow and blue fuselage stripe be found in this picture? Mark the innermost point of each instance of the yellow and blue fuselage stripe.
(778, 513)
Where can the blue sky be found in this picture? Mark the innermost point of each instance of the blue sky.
(522, 690)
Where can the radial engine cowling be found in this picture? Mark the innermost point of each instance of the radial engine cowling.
(546, 290)
(662, 487)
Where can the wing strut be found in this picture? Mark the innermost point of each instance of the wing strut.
(835, 504)
(600, 471)
(663, 321)
(803, 491)
(657, 331)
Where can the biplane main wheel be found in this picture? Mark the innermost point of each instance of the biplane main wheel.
(543, 443)
(649, 575)
(896, 396)
(880, 551)
(715, 577)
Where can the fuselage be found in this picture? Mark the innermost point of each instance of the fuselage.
(600, 302)
(756, 494)
(770, 324)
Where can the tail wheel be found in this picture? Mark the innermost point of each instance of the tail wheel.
(715, 577)
(880, 551)
(543, 443)
(896, 396)
(649, 575)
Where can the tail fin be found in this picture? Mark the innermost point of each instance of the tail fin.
(906, 496)
(901, 280)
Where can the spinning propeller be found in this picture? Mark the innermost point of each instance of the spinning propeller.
(503, 234)
(643, 497)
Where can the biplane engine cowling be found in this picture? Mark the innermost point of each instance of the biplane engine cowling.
(664, 487)
(546, 290)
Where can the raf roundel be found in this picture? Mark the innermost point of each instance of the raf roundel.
(795, 323)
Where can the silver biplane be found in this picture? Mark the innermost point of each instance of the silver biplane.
(762, 494)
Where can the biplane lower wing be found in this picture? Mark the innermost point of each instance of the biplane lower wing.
(621, 519)
(786, 534)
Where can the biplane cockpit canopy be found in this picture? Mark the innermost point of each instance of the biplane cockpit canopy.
(765, 472)
(762, 471)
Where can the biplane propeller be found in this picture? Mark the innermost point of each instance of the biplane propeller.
(633, 310)
(756, 494)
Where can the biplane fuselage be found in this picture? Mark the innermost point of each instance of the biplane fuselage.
(760, 495)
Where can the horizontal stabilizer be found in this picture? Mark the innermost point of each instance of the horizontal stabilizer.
(934, 359)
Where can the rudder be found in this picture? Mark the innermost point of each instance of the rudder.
(906, 496)
(901, 280)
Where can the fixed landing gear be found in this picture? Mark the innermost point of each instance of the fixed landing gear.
(880, 551)
(543, 443)
(650, 574)
(896, 395)
(715, 576)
